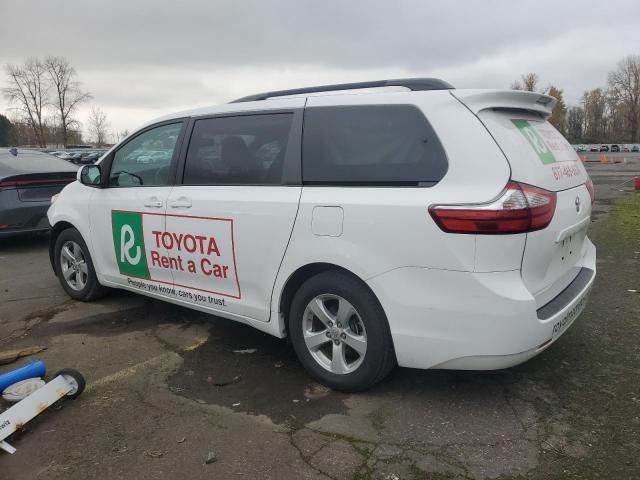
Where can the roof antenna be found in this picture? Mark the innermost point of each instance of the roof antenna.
(13, 151)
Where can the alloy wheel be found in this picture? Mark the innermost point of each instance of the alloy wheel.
(73, 265)
(334, 333)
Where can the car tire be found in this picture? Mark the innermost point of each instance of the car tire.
(74, 267)
(357, 320)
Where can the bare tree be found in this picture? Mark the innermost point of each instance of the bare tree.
(559, 114)
(528, 82)
(28, 89)
(616, 114)
(67, 91)
(575, 124)
(625, 82)
(98, 125)
(5, 131)
(594, 106)
(122, 135)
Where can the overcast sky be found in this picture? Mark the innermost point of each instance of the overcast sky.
(144, 58)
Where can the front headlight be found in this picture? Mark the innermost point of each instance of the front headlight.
(54, 198)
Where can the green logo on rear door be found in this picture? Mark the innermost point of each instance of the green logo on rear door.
(129, 244)
(535, 140)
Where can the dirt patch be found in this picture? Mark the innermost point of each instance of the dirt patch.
(250, 371)
(47, 314)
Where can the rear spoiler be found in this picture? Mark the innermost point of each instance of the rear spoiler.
(478, 100)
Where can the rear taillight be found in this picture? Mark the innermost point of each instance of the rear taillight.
(592, 192)
(34, 183)
(519, 208)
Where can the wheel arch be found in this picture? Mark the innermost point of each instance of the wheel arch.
(302, 274)
(56, 230)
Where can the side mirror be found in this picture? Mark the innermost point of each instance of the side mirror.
(90, 175)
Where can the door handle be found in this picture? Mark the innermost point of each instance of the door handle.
(181, 202)
(153, 202)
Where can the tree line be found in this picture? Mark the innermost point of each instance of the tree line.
(45, 96)
(608, 114)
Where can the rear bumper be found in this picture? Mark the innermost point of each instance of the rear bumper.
(17, 216)
(567, 297)
(475, 321)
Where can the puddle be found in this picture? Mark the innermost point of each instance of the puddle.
(268, 382)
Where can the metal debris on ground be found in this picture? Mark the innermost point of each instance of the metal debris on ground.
(222, 383)
(211, 458)
(246, 351)
(154, 453)
(67, 382)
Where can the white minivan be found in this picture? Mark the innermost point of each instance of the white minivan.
(373, 224)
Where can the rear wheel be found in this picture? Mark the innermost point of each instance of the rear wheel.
(340, 332)
(74, 267)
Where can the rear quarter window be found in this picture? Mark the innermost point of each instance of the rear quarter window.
(370, 145)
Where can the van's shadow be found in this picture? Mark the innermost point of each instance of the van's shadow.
(23, 242)
(270, 381)
(249, 371)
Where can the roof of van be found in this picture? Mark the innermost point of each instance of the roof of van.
(473, 98)
(413, 84)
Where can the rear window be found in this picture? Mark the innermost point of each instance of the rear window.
(370, 145)
(537, 153)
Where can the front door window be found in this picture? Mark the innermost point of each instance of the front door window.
(146, 159)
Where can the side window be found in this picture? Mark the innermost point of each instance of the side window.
(242, 150)
(146, 159)
(370, 145)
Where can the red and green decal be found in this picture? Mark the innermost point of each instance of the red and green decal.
(535, 140)
(129, 244)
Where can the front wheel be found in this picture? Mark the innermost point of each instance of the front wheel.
(340, 332)
(74, 267)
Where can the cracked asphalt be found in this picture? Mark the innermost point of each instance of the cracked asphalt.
(167, 385)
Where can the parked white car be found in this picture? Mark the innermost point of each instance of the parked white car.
(415, 225)
(63, 155)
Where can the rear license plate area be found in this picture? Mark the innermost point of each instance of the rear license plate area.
(562, 324)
